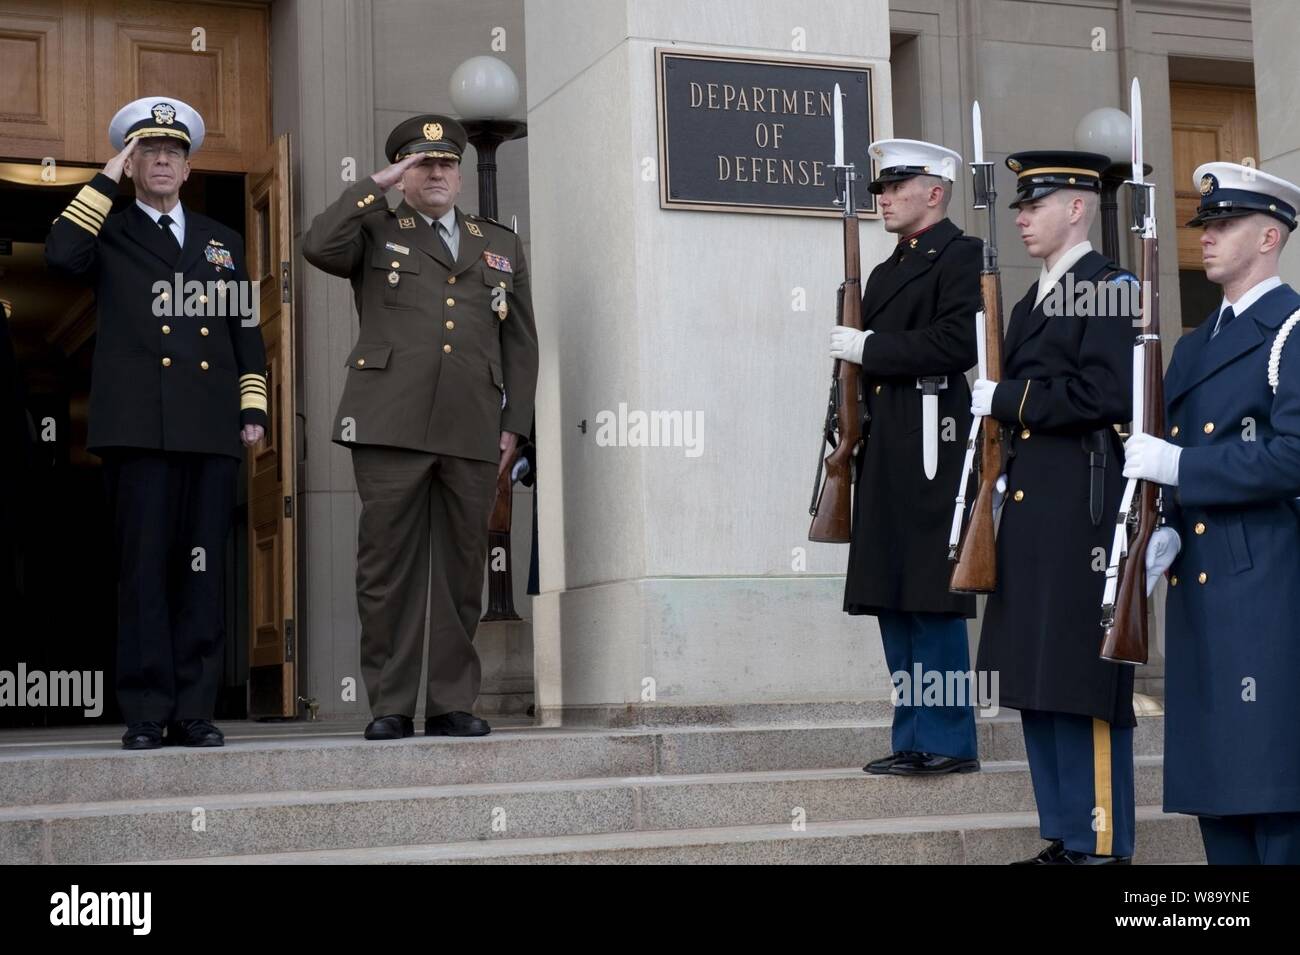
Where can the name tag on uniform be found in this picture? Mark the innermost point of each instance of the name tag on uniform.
(394, 247)
(498, 262)
(219, 256)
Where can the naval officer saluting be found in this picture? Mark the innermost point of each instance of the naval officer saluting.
(1231, 466)
(175, 398)
(439, 390)
(918, 309)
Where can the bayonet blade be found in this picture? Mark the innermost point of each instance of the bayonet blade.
(1135, 113)
(977, 128)
(838, 112)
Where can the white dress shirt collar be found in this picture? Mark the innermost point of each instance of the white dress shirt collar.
(176, 212)
(1249, 298)
(1047, 278)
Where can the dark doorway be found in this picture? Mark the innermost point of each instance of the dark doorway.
(57, 578)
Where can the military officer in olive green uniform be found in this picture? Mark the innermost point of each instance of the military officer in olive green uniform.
(439, 388)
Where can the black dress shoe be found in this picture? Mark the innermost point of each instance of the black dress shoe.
(1070, 857)
(456, 724)
(880, 767)
(932, 764)
(391, 727)
(146, 734)
(194, 733)
(1047, 856)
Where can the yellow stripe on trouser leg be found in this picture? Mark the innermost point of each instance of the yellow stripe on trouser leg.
(1104, 808)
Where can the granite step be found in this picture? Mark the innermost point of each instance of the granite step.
(216, 825)
(967, 838)
(33, 773)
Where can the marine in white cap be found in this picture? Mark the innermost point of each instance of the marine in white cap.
(918, 312)
(1230, 461)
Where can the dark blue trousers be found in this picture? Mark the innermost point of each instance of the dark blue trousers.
(938, 643)
(170, 596)
(1082, 769)
(1265, 839)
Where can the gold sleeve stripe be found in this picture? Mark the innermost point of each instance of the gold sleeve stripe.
(72, 216)
(1102, 787)
(93, 215)
(252, 392)
(95, 199)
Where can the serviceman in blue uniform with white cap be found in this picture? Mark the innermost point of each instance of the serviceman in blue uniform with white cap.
(1231, 466)
(178, 391)
(918, 310)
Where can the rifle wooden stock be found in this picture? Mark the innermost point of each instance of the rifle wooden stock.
(832, 518)
(1126, 636)
(976, 568)
(501, 589)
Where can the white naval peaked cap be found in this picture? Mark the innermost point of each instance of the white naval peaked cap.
(157, 116)
(1229, 190)
(904, 158)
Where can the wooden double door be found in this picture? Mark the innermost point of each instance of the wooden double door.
(69, 65)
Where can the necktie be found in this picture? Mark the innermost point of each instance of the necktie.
(165, 223)
(1227, 316)
(445, 235)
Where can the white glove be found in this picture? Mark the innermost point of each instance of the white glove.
(846, 343)
(1162, 547)
(999, 492)
(1151, 459)
(981, 397)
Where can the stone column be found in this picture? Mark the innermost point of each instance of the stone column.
(1277, 63)
(683, 571)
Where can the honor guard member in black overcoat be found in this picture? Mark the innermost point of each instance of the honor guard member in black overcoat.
(439, 391)
(918, 310)
(1230, 463)
(1067, 380)
(178, 390)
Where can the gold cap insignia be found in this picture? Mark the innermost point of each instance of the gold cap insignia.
(1207, 184)
(433, 131)
(473, 229)
(164, 114)
(1014, 165)
(878, 152)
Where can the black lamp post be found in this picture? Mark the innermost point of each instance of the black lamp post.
(485, 135)
(483, 89)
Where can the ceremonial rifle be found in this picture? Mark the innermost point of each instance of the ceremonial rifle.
(975, 550)
(1124, 603)
(832, 501)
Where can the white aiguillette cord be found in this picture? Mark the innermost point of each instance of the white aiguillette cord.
(1275, 356)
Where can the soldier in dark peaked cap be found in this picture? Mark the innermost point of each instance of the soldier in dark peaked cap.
(439, 390)
(1067, 380)
(178, 391)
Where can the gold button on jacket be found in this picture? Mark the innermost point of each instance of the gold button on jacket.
(149, 387)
